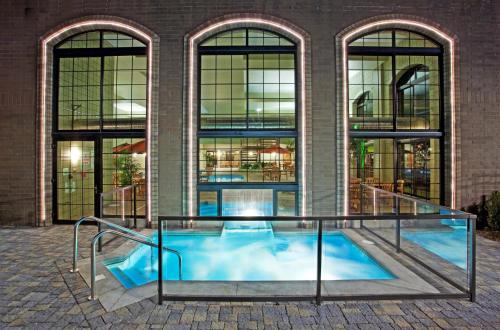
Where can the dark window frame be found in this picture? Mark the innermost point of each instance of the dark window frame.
(248, 132)
(394, 132)
(95, 135)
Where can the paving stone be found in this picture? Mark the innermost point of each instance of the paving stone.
(46, 296)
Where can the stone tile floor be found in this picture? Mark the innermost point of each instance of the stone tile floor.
(37, 291)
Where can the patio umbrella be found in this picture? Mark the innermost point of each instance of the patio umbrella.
(138, 147)
(275, 149)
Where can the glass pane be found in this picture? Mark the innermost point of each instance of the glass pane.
(208, 203)
(124, 92)
(396, 38)
(370, 92)
(418, 92)
(124, 164)
(286, 203)
(417, 168)
(75, 179)
(79, 93)
(268, 91)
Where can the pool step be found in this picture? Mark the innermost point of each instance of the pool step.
(122, 278)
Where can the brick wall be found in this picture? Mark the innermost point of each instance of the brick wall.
(474, 23)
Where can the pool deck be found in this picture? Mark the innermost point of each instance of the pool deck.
(37, 291)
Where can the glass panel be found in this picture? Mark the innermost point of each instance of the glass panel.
(93, 40)
(418, 92)
(114, 39)
(286, 203)
(418, 168)
(124, 92)
(238, 37)
(124, 164)
(400, 38)
(370, 92)
(79, 93)
(247, 160)
(75, 179)
(208, 203)
(231, 83)
(239, 259)
(83, 40)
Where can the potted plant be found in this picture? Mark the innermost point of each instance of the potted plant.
(128, 169)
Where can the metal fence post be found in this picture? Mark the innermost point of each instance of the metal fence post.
(319, 261)
(135, 206)
(472, 258)
(99, 242)
(101, 215)
(160, 262)
(398, 227)
(361, 206)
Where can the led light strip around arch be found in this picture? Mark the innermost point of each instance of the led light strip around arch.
(46, 44)
(381, 24)
(192, 43)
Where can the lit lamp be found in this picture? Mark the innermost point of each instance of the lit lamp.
(75, 154)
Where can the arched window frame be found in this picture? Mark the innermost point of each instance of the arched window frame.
(436, 49)
(248, 131)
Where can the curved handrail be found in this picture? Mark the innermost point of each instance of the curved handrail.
(127, 236)
(122, 229)
(109, 224)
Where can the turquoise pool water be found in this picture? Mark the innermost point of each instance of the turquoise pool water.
(449, 244)
(250, 256)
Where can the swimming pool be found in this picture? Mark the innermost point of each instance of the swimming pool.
(250, 256)
(226, 178)
(449, 244)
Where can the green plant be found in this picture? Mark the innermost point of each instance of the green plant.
(479, 210)
(128, 168)
(252, 166)
(210, 158)
(493, 208)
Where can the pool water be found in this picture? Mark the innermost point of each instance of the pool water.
(226, 178)
(250, 256)
(449, 244)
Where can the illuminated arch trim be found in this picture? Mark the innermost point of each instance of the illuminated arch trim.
(202, 34)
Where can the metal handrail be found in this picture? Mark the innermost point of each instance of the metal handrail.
(127, 236)
(122, 229)
(412, 199)
(121, 190)
(98, 220)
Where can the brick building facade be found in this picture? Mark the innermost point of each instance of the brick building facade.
(471, 26)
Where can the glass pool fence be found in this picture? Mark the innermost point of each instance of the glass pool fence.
(396, 247)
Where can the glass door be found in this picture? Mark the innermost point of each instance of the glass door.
(75, 181)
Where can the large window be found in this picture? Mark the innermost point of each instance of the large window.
(395, 114)
(253, 91)
(100, 112)
(247, 120)
(105, 88)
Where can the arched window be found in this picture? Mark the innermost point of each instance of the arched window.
(413, 92)
(100, 108)
(363, 105)
(247, 123)
(395, 115)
